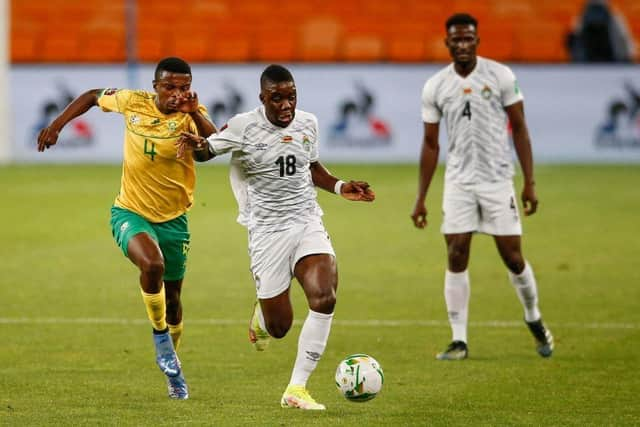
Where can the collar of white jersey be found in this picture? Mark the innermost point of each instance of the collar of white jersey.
(479, 63)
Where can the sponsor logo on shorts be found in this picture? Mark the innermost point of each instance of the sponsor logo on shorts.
(124, 226)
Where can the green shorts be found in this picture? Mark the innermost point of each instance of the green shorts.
(172, 237)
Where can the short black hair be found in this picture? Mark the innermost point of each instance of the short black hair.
(276, 74)
(461, 19)
(172, 65)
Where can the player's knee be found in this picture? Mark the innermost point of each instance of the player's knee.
(457, 253)
(515, 264)
(278, 329)
(513, 260)
(323, 303)
(458, 261)
(152, 267)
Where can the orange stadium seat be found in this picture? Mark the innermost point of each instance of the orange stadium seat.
(319, 39)
(272, 43)
(361, 48)
(151, 48)
(193, 48)
(541, 42)
(406, 41)
(104, 49)
(103, 37)
(229, 44)
(316, 30)
(25, 46)
(60, 47)
(403, 49)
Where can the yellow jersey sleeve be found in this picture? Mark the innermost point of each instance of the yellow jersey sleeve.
(115, 100)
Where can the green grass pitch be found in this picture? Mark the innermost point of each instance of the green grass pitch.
(76, 349)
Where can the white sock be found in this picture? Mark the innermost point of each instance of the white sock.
(527, 290)
(311, 345)
(456, 295)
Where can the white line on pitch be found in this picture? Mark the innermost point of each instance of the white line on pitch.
(339, 322)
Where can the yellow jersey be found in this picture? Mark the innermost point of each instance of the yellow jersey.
(155, 184)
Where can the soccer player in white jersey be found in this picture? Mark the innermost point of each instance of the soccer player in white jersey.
(478, 98)
(274, 172)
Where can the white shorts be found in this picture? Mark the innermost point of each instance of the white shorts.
(489, 208)
(274, 254)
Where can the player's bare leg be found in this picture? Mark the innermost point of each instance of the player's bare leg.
(456, 292)
(522, 277)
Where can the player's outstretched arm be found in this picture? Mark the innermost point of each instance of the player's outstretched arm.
(49, 135)
(359, 191)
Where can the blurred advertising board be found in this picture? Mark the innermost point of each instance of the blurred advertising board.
(367, 113)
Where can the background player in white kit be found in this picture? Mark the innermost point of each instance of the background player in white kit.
(476, 96)
(274, 171)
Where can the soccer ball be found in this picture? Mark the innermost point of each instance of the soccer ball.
(359, 377)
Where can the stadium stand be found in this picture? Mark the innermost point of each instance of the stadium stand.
(94, 31)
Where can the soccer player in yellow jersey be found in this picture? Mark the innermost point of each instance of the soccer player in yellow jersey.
(148, 218)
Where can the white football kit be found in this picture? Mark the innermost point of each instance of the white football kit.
(478, 193)
(277, 200)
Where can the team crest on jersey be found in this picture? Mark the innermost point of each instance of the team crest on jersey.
(172, 125)
(134, 120)
(306, 143)
(486, 92)
(286, 139)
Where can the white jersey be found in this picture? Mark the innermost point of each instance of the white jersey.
(270, 174)
(473, 108)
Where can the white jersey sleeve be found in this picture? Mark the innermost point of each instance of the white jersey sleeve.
(230, 138)
(238, 181)
(314, 153)
(509, 90)
(430, 111)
